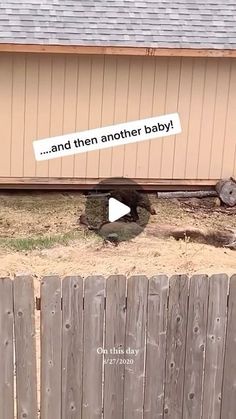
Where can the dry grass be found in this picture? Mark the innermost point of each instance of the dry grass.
(39, 234)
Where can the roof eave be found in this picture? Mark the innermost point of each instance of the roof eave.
(116, 50)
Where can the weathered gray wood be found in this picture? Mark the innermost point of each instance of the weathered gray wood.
(215, 344)
(156, 347)
(6, 350)
(72, 347)
(175, 346)
(94, 293)
(24, 323)
(226, 189)
(195, 346)
(186, 194)
(229, 374)
(189, 361)
(135, 340)
(115, 345)
(51, 347)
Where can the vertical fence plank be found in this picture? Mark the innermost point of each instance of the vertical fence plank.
(51, 347)
(114, 339)
(184, 349)
(6, 350)
(156, 346)
(135, 340)
(72, 346)
(24, 322)
(195, 347)
(229, 379)
(175, 346)
(216, 328)
(94, 293)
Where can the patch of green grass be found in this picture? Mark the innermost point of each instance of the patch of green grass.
(44, 242)
(43, 203)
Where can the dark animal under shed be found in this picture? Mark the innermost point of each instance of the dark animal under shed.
(133, 199)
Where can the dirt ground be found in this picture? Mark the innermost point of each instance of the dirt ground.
(40, 235)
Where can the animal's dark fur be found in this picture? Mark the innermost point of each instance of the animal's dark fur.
(133, 199)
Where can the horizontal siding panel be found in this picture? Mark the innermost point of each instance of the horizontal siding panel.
(48, 95)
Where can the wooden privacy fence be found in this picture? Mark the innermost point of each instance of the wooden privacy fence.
(122, 349)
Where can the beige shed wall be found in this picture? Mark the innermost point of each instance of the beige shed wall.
(48, 95)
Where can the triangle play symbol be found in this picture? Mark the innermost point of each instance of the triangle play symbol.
(116, 210)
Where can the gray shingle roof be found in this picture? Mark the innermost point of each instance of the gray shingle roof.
(151, 23)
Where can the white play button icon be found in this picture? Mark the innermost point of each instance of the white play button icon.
(116, 210)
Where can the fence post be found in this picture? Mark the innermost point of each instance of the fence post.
(94, 294)
(51, 348)
(175, 346)
(135, 340)
(72, 346)
(215, 346)
(24, 322)
(114, 338)
(158, 293)
(229, 382)
(6, 350)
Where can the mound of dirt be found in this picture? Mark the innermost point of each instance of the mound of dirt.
(124, 231)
